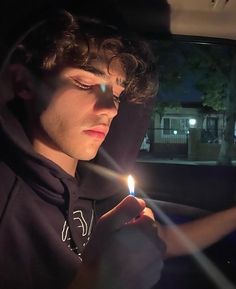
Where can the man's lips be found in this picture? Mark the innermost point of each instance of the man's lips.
(99, 132)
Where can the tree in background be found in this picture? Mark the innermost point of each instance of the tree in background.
(216, 66)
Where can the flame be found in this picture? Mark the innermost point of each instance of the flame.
(131, 184)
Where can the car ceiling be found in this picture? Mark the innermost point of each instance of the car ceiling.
(212, 18)
(215, 18)
(205, 18)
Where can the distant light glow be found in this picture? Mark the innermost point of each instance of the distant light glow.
(103, 87)
(131, 184)
(175, 132)
(192, 121)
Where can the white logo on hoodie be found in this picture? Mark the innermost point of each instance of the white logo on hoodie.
(85, 229)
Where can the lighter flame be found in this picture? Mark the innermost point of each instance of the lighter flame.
(131, 183)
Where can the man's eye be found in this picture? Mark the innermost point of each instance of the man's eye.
(81, 85)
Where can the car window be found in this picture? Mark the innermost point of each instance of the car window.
(193, 118)
(193, 123)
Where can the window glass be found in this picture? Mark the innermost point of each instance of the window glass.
(195, 104)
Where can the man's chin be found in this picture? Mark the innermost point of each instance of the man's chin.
(89, 156)
(87, 159)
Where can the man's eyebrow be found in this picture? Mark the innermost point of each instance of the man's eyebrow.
(96, 71)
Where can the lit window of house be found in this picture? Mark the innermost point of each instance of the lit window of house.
(175, 125)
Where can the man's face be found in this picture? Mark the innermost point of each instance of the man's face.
(75, 109)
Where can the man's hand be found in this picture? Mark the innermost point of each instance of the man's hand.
(124, 251)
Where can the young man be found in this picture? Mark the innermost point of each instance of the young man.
(66, 80)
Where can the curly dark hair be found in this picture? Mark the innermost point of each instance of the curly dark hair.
(66, 40)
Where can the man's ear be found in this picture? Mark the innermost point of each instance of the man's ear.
(22, 81)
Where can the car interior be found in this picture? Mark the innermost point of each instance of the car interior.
(175, 181)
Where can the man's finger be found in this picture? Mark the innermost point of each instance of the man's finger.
(128, 209)
(148, 212)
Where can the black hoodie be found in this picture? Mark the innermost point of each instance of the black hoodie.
(46, 215)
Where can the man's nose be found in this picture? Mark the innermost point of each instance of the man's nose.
(105, 103)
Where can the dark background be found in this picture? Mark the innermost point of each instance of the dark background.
(142, 17)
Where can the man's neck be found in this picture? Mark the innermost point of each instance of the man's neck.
(64, 161)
